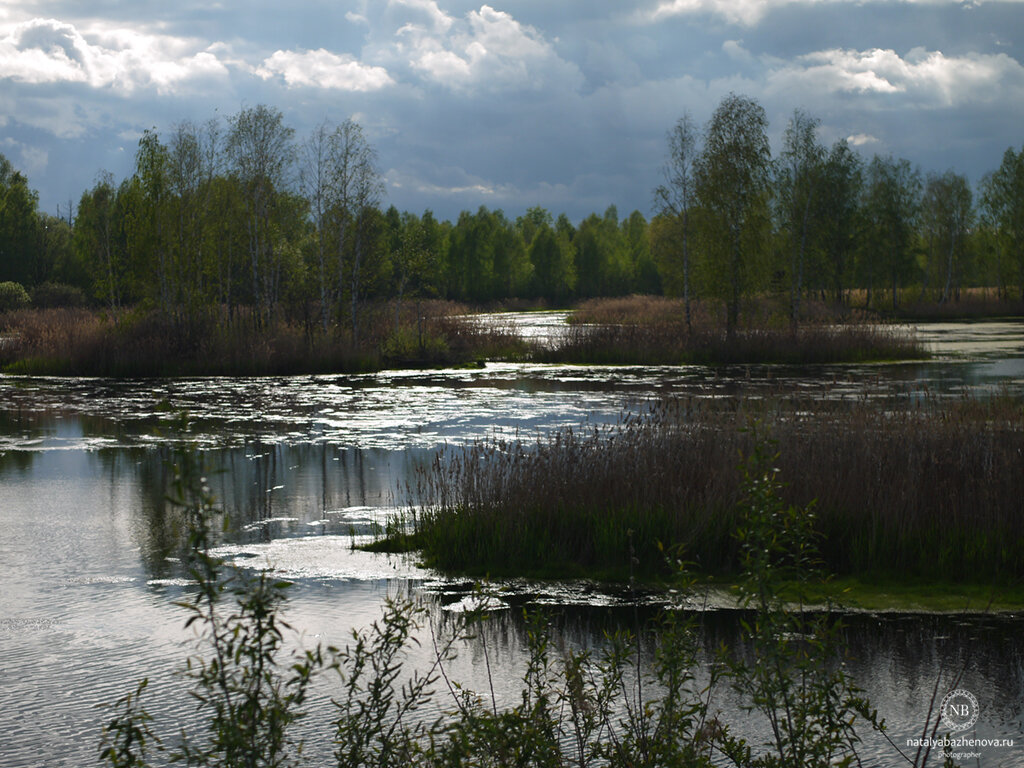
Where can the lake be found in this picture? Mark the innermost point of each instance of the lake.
(306, 465)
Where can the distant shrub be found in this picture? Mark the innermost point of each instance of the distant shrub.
(50, 295)
(12, 296)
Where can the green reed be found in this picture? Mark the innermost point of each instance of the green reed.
(933, 489)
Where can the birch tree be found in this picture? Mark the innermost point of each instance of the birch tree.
(731, 177)
(674, 199)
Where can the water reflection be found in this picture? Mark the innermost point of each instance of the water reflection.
(304, 464)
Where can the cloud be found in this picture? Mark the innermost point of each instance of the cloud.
(750, 12)
(486, 50)
(44, 51)
(429, 10)
(923, 78)
(447, 182)
(323, 69)
(745, 12)
(734, 50)
(33, 159)
(860, 139)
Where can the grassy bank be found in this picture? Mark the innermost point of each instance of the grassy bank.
(147, 343)
(935, 490)
(650, 330)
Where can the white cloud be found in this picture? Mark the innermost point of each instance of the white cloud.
(924, 78)
(734, 50)
(860, 139)
(33, 159)
(750, 12)
(51, 51)
(488, 49)
(452, 182)
(323, 69)
(745, 12)
(439, 20)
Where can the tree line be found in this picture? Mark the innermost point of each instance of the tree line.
(242, 213)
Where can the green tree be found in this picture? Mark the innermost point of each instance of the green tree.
(1002, 199)
(261, 152)
(798, 179)
(554, 275)
(838, 214)
(638, 249)
(731, 186)
(354, 191)
(95, 241)
(19, 226)
(149, 233)
(470, 263)
(892, 206)
(947, 216)
(56, 262)
(315, 175)
(530, 223)
(601, 256)
(675, 198)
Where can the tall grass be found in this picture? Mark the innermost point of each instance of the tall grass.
(648, 330)
(932, 489)
(143, 342)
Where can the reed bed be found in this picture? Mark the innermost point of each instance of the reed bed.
(650, 330)
(934, 490)
(240, 342)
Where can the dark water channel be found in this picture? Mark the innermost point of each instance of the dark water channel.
(305, 464)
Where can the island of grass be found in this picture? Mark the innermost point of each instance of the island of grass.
(914, 506)
(656, 330)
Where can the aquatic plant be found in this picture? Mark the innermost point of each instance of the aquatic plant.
(928, 488)
(651, 330)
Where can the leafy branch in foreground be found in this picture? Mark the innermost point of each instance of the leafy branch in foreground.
(795, 677)
(248, 696)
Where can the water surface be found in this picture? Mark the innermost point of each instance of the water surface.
(307, 465)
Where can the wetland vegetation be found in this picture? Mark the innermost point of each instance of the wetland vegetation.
(925, 489)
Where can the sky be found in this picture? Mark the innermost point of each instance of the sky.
(560, 103)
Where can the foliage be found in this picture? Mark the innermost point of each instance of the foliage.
(240, 214)
(732, 189)
(12, 296)
(1003, 204)
(793, 674)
